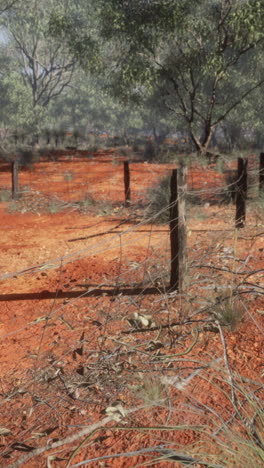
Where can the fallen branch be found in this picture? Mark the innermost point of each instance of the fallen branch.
(163, 327)
(231, 380)
(68, 440)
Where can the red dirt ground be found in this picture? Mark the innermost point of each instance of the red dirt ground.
(63, 356)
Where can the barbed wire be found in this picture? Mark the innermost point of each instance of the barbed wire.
(218, 274)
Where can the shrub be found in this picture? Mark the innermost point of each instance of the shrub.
(27, 157)
(228, 311)
(68, 176)
(87, 202)
(54, 207)
(229, 191)
(5, 195)
(125, 151)
(150, 151)
(159, 200)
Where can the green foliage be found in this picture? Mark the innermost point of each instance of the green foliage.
(16, 109)
(122, 66)
(77, 25)
(192, 53)
(39, 67)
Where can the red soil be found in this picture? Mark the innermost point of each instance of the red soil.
(62, 354)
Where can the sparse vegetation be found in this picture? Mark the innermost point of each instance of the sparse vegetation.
(122, 344)
(168, 369)
(229, 311)
(159, 201)
(87, 202)
(5, 195)
(68, 176)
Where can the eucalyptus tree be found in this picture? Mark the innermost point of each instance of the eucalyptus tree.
(118, 111)
(88, 106)
(43, 62)
(201, 57)
(15, 98)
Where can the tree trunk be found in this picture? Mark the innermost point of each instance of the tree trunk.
(202, 144)
(15, 179)
(205, 143)
(241, 192)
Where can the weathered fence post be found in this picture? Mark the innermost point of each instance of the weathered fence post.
(178, 185)
(15, 179)
(241, 192)
(127, 183)
(261, 171)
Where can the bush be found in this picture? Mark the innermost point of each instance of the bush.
(159, 201)
(150, 151)
(229, 192)
(27, 157)
(229, 312)
(5, 195)
(125, 151)
(87, 202)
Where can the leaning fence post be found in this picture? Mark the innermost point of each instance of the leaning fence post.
(14, 169)
(178, 183)
(261, 171)
(127, 183)
(241, 192)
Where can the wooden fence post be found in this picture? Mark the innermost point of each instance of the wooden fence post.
(127, 183)
(178, 185)
(261, 171)
(241, 192)
(14, 179)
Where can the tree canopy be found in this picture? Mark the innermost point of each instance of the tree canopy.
(44, 62)
(189, 66)
(203, 57)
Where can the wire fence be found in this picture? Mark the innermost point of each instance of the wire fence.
(93, 322)
(101, 177)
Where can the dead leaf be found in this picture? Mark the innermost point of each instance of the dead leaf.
(74, 393)
(175, 381)
(52, 458)
(141, 320)
(37, 435)
(154, 346)
(22, 447)
(80, 370)
(116, 411)
(4, 431)
(96, 323)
